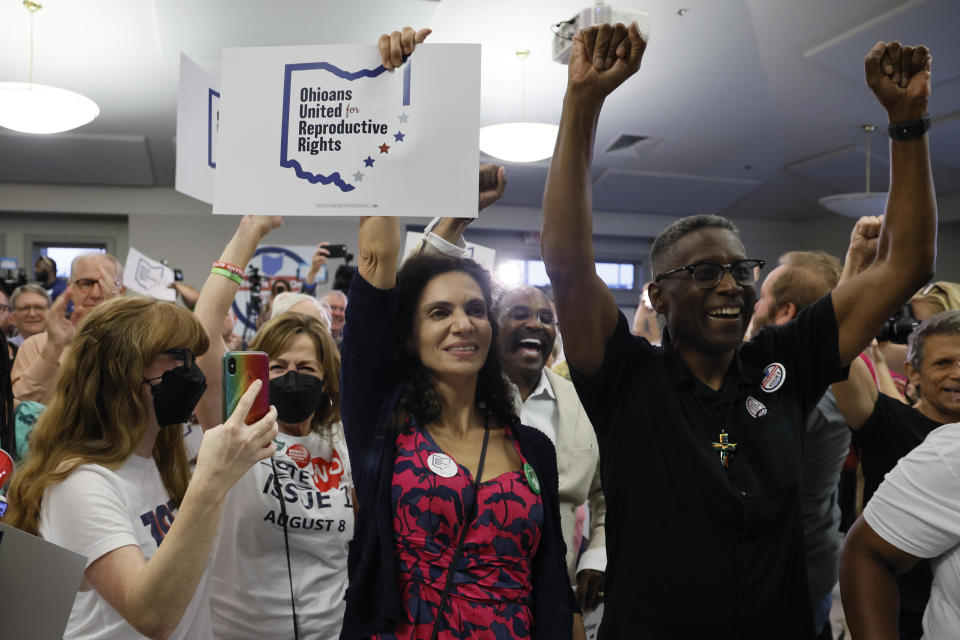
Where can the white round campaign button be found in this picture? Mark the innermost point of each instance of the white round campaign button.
(774, 375)
(442, 465)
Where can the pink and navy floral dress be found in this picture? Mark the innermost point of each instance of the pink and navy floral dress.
(491, 593)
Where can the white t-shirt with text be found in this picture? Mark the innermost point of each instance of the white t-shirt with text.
(250, 597)
(95, 511)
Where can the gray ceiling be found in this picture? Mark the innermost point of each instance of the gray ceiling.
(752, 107)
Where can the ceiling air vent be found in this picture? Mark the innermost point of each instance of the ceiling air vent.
(632, 145)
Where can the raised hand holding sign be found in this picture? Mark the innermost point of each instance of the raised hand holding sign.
(389, 129)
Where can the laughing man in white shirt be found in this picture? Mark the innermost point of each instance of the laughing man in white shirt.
(546, 401)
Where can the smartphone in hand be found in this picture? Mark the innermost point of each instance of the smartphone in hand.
(240, 369)
(336, 250)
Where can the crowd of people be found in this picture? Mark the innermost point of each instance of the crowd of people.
(434, 464)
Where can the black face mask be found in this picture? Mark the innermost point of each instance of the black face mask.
(41, 276)
(296, 396)
(177, 394)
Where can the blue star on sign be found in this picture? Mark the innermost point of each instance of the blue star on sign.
(398, 136)
(368, 162)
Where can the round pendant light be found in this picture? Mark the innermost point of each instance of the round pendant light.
(521, 141)
(39, 108)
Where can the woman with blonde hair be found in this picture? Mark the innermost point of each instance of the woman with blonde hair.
(107, 474)
(283, 539)
(935, 298)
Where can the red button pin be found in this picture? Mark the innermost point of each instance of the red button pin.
(6, 467)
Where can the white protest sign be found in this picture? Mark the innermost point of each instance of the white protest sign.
(198, 115)
(485, 256)
(327, 131)
(147, 276)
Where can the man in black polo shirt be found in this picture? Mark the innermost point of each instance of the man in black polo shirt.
(700, 440)
(886, 429)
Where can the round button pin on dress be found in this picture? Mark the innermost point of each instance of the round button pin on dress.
(442, 465)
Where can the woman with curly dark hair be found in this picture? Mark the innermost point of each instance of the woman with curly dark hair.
(458, 533)
(459, 524)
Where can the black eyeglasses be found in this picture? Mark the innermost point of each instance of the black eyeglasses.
(84, 285)
(521, 313)
(707, 275)
(184, 358)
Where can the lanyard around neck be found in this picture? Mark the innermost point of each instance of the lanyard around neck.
(463, 530)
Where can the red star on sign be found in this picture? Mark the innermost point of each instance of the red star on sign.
(384, 148)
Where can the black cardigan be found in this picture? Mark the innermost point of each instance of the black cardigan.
(369, 391)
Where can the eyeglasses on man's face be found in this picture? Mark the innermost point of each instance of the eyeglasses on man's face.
(27, 308)
(708, 275)
(84, 285)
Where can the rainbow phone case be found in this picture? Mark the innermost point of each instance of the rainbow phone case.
(240, 369)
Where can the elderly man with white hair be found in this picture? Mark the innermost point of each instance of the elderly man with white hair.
(301, 303)
(94, 277)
